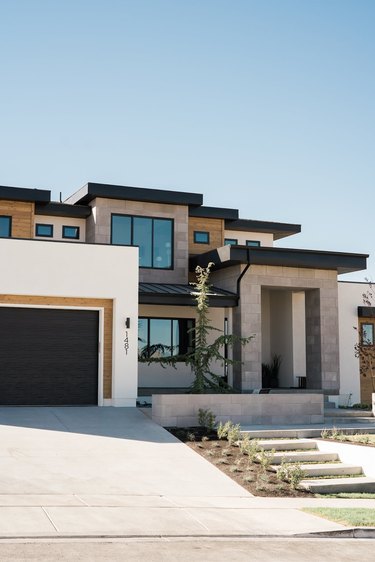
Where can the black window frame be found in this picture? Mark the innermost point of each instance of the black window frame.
(171, 220)
(201, 232)
(71, 237)
(9, 217)
(253, 243)
(230, 241)
(192, 320)
(43, 235)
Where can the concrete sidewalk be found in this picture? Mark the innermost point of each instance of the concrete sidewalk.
(113, 472)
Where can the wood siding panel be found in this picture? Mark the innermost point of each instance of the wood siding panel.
(215, 227)
(366, 383)
(22, 214)
(106, 304)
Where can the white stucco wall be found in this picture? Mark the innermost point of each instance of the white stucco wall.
(350, 297)
(264, 238)
(58, 223)
(41, 268)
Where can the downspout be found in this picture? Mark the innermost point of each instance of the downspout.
(243, 273)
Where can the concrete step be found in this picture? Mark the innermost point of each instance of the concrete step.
(287, 444)
(327, 469)
(303, 457)
(306, 432)
(336, 485)
(342, 420)
(348, 413)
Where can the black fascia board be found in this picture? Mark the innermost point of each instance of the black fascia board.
(278, 229)
(213, 213)
(187, 300)
(228, 256)
(56, 209)
(25, 194)
(92, 190)
(366, 311)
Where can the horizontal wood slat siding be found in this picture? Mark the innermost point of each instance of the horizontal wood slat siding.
(215, 227)
(22, 214)
(365, 378)
(106, 304)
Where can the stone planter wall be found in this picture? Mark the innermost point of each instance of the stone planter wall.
(181, 410)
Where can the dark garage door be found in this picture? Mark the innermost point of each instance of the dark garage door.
(48, 356)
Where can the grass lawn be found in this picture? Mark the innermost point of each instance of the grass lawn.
(352, 517)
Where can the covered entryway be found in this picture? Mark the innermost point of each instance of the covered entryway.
(48, 356)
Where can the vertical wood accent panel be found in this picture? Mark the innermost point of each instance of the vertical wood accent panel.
(106, 304)
(215, 227)
(22, 213)
(365, 377)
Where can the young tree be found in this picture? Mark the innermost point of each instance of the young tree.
(204, 354)
(364, 349)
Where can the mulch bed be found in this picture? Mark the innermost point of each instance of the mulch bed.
(230, 460)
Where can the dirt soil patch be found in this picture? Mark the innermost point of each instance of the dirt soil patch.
(230, 460)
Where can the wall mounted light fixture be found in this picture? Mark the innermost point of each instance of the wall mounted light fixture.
(127, 323)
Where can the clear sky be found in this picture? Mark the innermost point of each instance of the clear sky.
(263, 105)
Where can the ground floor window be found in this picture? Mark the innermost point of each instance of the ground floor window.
(164, 337)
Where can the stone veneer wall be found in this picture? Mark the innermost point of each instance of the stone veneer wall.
(322, 336)
(181, 410)
(98, 230)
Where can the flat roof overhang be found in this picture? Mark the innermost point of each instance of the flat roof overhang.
(91, 191)
(278, 229)
(56, 209)
(228, 256)
(24, 194)
(182, 295)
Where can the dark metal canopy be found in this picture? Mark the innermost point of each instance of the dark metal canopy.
(228, 256)
(56, 209)
(24, 194)
(182, 295)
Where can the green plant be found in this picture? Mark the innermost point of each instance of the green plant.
(206, 419)
(249, 447)
(361, 406)
(265, 458)
(191, 436)
(204, 354)
(270, 372)
(234, 434)
(290, 472)
(222, 429)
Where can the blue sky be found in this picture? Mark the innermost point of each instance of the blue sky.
(262, 105)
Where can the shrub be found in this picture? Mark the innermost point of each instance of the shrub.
(292, 473)
(207, 419)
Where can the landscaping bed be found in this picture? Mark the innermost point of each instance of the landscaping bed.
(364, 439)
(230, 459)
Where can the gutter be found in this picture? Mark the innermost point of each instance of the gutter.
(243, 273)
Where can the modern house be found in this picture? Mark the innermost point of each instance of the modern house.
(87, 282)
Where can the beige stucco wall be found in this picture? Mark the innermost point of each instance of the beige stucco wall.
(58, 223)
(264, 238)
(98, 230)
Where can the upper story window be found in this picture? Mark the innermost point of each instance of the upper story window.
(153, 236)
(165, 337)
(367, 334)
(45, 230)
(201, 237)
(5, 226)
(71, 232)
(230, 241)
(254, 243)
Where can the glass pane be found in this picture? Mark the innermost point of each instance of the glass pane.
(201, 237)
(142, 237)
(70, 232)
(368, 334)
(142, 337)
(230, 242)
(176, 337)
(121, 230)
(162, 243)
(44, 230)
(4, 227)
(254, 243)
(160, 337)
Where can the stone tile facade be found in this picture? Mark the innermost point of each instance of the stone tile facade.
(98, 231)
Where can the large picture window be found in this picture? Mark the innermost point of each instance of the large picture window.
(5, 226)
(164, 337)
(153, 236)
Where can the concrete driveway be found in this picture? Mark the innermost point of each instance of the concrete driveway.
(107, 471)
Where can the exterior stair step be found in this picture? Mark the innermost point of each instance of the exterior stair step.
(306, 432)
(287, 444)
(351, 419)
(336, 485)
(303, 456)
(327, 469)
(348, 413)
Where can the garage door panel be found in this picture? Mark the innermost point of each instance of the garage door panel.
(48, 356)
